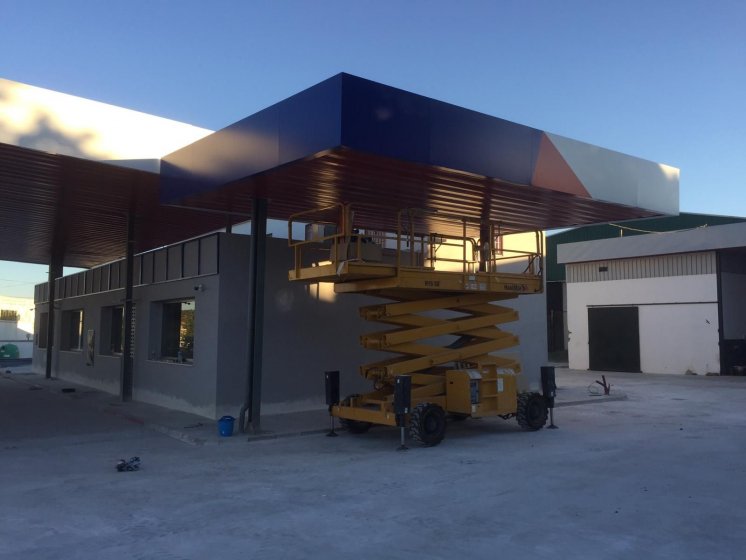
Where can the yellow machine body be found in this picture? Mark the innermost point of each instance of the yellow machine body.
(490, 391)
(432, 294)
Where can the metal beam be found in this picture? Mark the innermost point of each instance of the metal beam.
(257, 268)
(57, 248)
(126, 375)
(55, 271)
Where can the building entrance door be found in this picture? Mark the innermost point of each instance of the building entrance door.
(614, 338)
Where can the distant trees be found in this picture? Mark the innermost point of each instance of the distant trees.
(9, 315)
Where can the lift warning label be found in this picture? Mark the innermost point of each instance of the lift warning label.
(515, 287)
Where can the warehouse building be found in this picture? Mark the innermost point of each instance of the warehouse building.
(556, 286)
(660, 303)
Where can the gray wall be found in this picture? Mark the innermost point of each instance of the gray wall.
(70, 364)
(191, 387)
(304, 334)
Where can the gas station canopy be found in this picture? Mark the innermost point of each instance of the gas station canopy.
(351, 140)
(344, 140)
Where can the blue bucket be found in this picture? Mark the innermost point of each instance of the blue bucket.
(225, 426)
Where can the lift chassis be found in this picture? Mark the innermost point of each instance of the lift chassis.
(443, 289)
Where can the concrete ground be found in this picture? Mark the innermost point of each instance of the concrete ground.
(658, 474)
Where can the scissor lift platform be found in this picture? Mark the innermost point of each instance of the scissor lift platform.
(442, 307)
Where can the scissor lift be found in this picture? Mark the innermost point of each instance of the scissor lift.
(442, 290)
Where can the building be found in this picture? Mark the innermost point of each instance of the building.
(660, 303)
(16, 327)
(557, 333)
(176, 309)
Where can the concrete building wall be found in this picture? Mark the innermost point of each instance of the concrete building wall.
(678, 320)
(24, 307)
(531, 327)
(679, 338)
(308, 330)
(12, 335)
(189, 386)
(183, 386)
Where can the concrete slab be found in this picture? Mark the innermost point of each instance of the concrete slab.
(196, 430)
(658, 475)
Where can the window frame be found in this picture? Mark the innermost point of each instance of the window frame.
(67, 332)
(172, 345)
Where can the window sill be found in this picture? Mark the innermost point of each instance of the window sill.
(171, 361)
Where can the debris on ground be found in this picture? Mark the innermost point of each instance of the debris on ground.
(132, 465)
(595, 391)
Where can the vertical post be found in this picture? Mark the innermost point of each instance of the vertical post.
(485, 244)
(126, 376)
(331, 386)
(57, 244)
(402, 405)
(549, 390)
(257, 267)
(55, 271)
(463, 238)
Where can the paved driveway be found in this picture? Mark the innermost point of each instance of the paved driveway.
(659, 475)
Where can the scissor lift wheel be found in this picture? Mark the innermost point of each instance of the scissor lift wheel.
(532, 411)
(427, 424)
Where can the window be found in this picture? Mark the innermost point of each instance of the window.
(72, 330)
(112, 330)
(41, 338)
(116, 343)
(177, 330)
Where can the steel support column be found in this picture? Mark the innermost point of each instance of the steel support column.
(257, 268)
(126, 375)
(55, 271)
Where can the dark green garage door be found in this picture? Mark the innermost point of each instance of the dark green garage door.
(614, 338)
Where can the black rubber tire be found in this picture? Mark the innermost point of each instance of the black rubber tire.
(353, 426)
(532, 411)
(427, 424)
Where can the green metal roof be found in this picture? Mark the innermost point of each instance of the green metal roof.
(684, 221)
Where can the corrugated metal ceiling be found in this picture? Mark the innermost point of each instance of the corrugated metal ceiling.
(81, 207)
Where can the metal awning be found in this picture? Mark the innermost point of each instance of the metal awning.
(79, 207)
(345, 140)
(350, 140)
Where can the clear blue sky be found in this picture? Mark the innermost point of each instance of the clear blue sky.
(662, 80)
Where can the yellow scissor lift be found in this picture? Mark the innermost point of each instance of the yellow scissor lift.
(442, 290)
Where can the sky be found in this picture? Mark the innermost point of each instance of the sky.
(664, 80)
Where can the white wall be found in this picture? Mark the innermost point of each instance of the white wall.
(25, 309)
(679, 338)
(678, 320)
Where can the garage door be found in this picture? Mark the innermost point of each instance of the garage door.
(614, 338)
